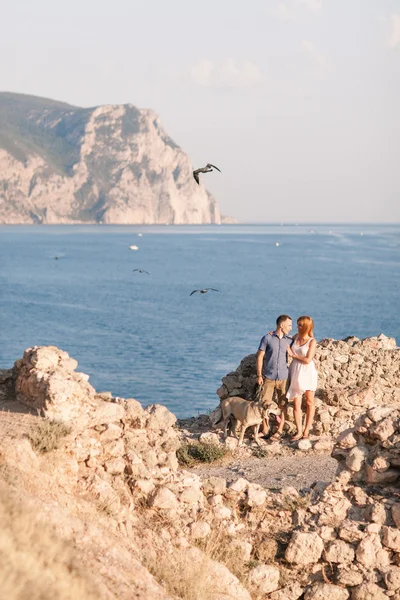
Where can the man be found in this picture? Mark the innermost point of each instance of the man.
(272, 368)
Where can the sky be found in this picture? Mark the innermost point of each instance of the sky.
(296, 101)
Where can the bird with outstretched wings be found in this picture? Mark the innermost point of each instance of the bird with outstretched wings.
(204, 291)
(207, 169)
(141, 271)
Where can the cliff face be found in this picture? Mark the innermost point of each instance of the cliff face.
(108, 164)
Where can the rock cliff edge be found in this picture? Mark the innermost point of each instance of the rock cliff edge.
(94, 504)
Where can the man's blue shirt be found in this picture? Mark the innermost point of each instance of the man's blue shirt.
(275, 359)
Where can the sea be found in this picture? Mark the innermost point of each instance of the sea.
(146, 336)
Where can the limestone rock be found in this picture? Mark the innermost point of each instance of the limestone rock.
(215, 485)
(304, 548)
(339, 552)
(368, 591)
(163, 498)
(391, 578)
(199, 530)
(391, 538)
(256, 497)
(239, 486)
(323, 445)
(304, 445)
(347, 439)
(108, 164)
(348, 576)
(265, 578)
(356, 458)
(209, 438)
(323, 591)
(191, 495)
(370, 552)
(159, 417)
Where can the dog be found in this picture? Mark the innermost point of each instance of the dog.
(250, 413)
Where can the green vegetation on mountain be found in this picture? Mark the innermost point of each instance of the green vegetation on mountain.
(32, 125)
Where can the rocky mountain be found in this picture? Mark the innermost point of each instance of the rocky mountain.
(107, 164)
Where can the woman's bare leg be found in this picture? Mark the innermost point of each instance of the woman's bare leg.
(310, 411)
(297, 417)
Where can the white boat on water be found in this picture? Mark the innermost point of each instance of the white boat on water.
(134, 247)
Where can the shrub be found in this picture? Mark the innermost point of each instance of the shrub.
(47, 435)
(260, 452)
(292, 504)
(190, 454)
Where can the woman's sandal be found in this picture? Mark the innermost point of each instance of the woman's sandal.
(296, 437)
(305, 437)
(276, 436)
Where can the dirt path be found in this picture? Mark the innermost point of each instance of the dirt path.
(275, 472)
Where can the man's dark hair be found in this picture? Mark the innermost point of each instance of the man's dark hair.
(281, 319)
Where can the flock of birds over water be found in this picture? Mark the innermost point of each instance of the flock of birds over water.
(207, 169)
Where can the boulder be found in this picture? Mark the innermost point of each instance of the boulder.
(264, 578)
(304, 548)
(325, 591)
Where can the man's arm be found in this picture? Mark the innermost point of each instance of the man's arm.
(259, 366)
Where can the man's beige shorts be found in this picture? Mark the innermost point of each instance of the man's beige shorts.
(272, 387)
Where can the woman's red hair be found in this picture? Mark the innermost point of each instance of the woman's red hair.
(306, 326)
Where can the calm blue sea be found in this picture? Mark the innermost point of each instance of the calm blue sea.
(144, 336)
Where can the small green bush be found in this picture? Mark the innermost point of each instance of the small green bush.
(46, 436)
(190, 454)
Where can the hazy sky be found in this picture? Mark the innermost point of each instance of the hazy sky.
(297, 101)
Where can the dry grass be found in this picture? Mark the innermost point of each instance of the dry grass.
(47, 435)
(219, 547)
(191, 579)
(34, 563)
(291, 503)
(181, 576)
(15, 425)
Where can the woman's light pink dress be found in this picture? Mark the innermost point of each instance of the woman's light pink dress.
(302, 377)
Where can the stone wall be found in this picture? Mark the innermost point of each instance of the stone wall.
(353, 375)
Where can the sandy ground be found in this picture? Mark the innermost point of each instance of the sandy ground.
(290, 467)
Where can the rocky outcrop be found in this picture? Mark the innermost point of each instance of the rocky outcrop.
(108, 164)
(114, 495)
(353, 375)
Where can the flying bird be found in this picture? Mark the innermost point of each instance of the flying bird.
(141, 271)
(204, 291)
(207, 169)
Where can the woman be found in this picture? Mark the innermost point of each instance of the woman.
(303, 375)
